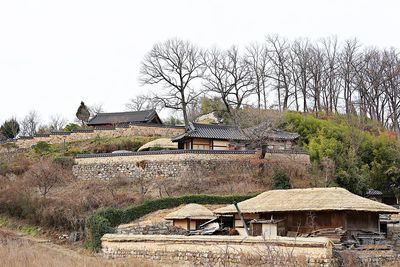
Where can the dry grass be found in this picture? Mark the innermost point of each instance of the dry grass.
(20, 251)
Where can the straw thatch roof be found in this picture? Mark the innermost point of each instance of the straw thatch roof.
(165, 143)
(191, 211)
(310, 199)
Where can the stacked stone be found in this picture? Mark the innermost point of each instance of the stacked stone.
(162, 228)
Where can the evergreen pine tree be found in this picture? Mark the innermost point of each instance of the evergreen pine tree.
(83, 113)
(10, 128)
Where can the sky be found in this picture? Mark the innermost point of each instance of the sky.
(54, 54)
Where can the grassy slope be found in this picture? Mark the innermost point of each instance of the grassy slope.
(360, 152)
(95, 145)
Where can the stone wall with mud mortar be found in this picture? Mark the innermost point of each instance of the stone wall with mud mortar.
(154, 130)
(172, 164)
(221, 250)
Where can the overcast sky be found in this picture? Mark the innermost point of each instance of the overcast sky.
(53, 54)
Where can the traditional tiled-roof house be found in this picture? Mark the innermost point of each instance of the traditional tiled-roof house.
(226, 137)
(108, 120)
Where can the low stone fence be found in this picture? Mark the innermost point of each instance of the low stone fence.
(174, 163)
(222, 250)
(142, 129)
(158, 228)
(297, 157)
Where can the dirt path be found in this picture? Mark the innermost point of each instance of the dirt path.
(18, 250)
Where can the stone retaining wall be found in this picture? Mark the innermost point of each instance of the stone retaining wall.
(220, 250)
(300, 158)
(158, 164)
(132, 130)
(158, 228)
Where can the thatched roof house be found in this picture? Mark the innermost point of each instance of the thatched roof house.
(161, 143)
(304, 210)
(310, 199)
(191, 216)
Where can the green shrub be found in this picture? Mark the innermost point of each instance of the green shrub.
(71, 126)
(29, 230)
(113, 216)
(64, 162)
(73, 152)
(42, 147)
(3, 221)
(104, 220)
(280, 180)
(97, 226)
(20, 206)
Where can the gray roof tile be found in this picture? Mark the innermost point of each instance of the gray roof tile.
(123, 117)
(227, 132)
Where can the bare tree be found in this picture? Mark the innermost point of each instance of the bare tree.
(57, 122)
(30, 123)
(258, 62)
(175, 64)
(143, 181)
(306, 75)
(300, 60)
(316, 68)
(45, 175)
(348, 64)
(330, 74)
(369, 81)
(279, 57)
(391, 86)
(216, 77)
(96, 109)
(229, 75)
(143, 102)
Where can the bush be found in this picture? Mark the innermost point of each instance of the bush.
(29, 230)
(3, 168)
(42, 147)
(19, 165)
(280, 180)
(74, 152)
(97, 226)
(71, 126)
(104, 220)
(64, 162)
(18, 205)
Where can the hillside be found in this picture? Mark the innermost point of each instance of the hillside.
(350, 152)
(344, 151)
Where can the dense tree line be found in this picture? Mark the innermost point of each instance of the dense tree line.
(343, 154)
(301, 75)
